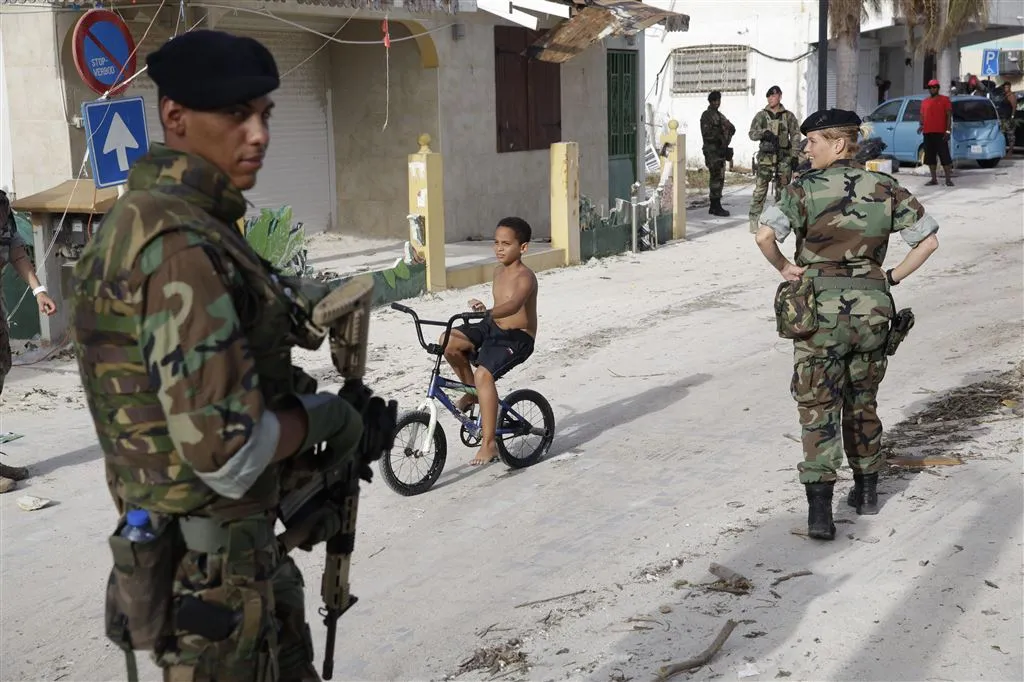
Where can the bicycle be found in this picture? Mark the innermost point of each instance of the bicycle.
(511, 424)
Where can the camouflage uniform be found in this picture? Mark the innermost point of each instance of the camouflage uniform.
(183, 337)
(842, 217)
(786, 128)
(716, 131)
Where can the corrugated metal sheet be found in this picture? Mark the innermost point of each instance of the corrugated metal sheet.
(596, 21)
(296, 170)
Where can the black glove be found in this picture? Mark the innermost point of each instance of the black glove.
(794, 163)
(770, 137)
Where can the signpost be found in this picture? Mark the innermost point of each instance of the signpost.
(117, 136)
(104, 51)
(989, 62)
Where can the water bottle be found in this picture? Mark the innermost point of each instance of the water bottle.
(138, 529)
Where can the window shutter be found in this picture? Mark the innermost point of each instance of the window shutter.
(510, 86)
(545, 103)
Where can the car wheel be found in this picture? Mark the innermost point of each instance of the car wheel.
(988, 163)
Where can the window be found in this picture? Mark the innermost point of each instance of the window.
(699, 70)
(528, 93)
(887, 112)
(967, 110)
(913, 111)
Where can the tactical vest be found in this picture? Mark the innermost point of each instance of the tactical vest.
(777, 124)
(143, 468)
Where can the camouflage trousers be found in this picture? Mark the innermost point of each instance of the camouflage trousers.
(716, 172)
(836, 375)
(254, 579)
(1009, 127)
(764, 178)
(5, 349)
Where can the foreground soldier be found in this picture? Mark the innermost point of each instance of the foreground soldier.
(841, 216)
(183, 338)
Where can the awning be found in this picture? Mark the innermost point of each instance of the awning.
(598, 20)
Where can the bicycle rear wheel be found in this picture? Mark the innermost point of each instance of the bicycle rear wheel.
(532, 421)
(406, 455)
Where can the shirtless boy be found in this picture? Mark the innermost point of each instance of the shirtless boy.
(501, 340)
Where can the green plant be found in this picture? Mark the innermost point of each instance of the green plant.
(281, 243)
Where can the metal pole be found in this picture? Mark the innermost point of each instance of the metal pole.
(822, 54)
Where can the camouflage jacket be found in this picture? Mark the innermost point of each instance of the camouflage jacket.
(715, 130)
(784, 124)
(182, 335)
(842, 217)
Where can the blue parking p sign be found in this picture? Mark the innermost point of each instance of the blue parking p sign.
(989, 62)
(116, 134)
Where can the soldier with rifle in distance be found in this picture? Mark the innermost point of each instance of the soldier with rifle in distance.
(210, 434)
(778, 131)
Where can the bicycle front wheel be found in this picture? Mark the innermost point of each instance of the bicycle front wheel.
(407, 469)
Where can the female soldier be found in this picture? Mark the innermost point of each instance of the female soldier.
(842, 216)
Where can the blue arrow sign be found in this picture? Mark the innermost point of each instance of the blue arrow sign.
(989, 62)
(116, 134)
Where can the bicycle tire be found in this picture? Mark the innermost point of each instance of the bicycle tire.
(526, 395)
(440, 456)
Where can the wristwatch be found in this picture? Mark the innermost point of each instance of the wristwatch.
(889, 279)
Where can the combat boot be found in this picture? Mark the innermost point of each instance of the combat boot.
(716, 208)
(864, 494)
(819, 510)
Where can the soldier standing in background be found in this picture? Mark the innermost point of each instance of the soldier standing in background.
(778, 131)
(716, 132)
(12, 250)
(183, 337)
(844, 326)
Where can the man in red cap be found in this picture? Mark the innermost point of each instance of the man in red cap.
(936, 124)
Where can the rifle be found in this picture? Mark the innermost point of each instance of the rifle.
(344, 313)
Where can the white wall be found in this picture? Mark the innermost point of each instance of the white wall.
(780, 28)
(37, 119)
(6, 164)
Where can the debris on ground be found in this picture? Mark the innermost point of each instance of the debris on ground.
(496, 659)
(924, 439)
(728, 581)
(701, 659)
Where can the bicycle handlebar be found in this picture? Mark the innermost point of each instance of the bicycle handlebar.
(433, 348)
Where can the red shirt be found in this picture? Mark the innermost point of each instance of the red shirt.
(933, 113)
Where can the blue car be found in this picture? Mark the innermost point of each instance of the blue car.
(975, 136)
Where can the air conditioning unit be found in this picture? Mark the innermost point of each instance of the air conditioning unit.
(1011, 62)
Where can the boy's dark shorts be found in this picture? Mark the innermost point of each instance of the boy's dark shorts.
(935, 145)
(497, 350)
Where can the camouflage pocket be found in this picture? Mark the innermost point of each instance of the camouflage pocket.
(796, 315)
(228, 623)
(140, 588)
(901, 325)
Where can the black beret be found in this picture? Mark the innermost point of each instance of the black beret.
(207, 70)
(714, 95)
(831, 118)
(774, 90)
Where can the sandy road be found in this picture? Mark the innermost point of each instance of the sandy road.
(670, 389)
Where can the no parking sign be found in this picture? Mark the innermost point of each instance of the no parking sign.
(104, 51)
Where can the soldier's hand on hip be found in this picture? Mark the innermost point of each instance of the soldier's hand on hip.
(791, 273)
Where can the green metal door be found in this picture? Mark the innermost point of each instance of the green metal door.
(623, 113)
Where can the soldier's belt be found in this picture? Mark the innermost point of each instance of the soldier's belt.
(832, 283)
(213, 536)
